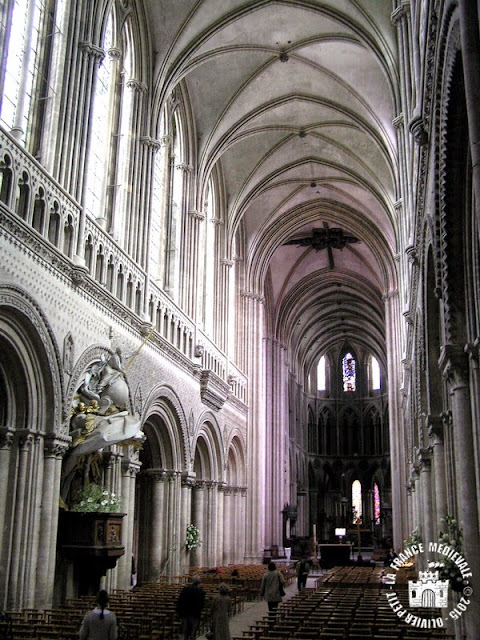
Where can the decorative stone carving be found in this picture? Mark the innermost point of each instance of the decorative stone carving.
(213, 390)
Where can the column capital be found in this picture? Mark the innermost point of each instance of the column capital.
(189, 479)
(115, 53)
(92, 51)
(424, 459)
(157, 475)
(185, 167)
(435, 424)
(398, 122)
(250, 295)
(6, 437)
(472, 349)
(56, 446)
(400, 13)
(453, 363)
(136, 85)
(418, 129)
(26, 438)
(151, 143)
(196, 215)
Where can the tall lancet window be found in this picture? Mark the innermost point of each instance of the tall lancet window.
(374, 374)
(376, 504)
(356, 500)
(321, 375)
(96, 184)
(25, 84)
(349, 372)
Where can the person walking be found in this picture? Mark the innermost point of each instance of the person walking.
(302, 570)
(221, 611)
(100, 623)
(272, 586)
(190, 604)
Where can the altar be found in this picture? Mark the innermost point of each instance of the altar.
(332, 555)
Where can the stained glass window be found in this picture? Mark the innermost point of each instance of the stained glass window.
(349, 373)
(356, 500)
(376, 504)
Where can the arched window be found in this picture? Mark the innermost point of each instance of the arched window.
(321, 374)
(376, 504)
(108, 187)
(374, 374)
(29, 33)
(357, 510)
(97, 166)
(349, 372)
(207, 262)
(173, 233)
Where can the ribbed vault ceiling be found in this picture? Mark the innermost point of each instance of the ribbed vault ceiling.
(294, 102)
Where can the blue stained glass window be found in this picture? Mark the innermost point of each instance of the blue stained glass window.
(349, 373)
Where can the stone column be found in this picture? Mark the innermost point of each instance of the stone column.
(54, 450)
(277, 462)
(454, 365)
(211, 524)
(173, 518)
(15, 599)
(198, 554)
(188, 483)
(256, 427)
(17, 129)
(220, 523)
(226, 324)
(228, 526)
(435, 431)
(6, 441)
(469, 34)
(130, 469)
(396, 421)
(157, 522)
(241, 540)
(424, 459)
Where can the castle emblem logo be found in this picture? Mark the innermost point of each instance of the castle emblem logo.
(428, 591)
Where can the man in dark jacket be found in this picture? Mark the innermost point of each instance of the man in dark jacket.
(189, 607)
(302, 570)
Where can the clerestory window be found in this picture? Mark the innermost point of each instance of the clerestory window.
(349, 373)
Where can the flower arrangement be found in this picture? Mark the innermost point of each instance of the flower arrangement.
(93, 497)
(453, 538)
(192, 540)
(413, 538)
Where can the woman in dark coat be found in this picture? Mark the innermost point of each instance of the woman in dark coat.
(221, 611)
(272, 587)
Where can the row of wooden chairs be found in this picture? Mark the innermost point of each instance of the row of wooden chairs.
(349, 604)
(144, 613)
